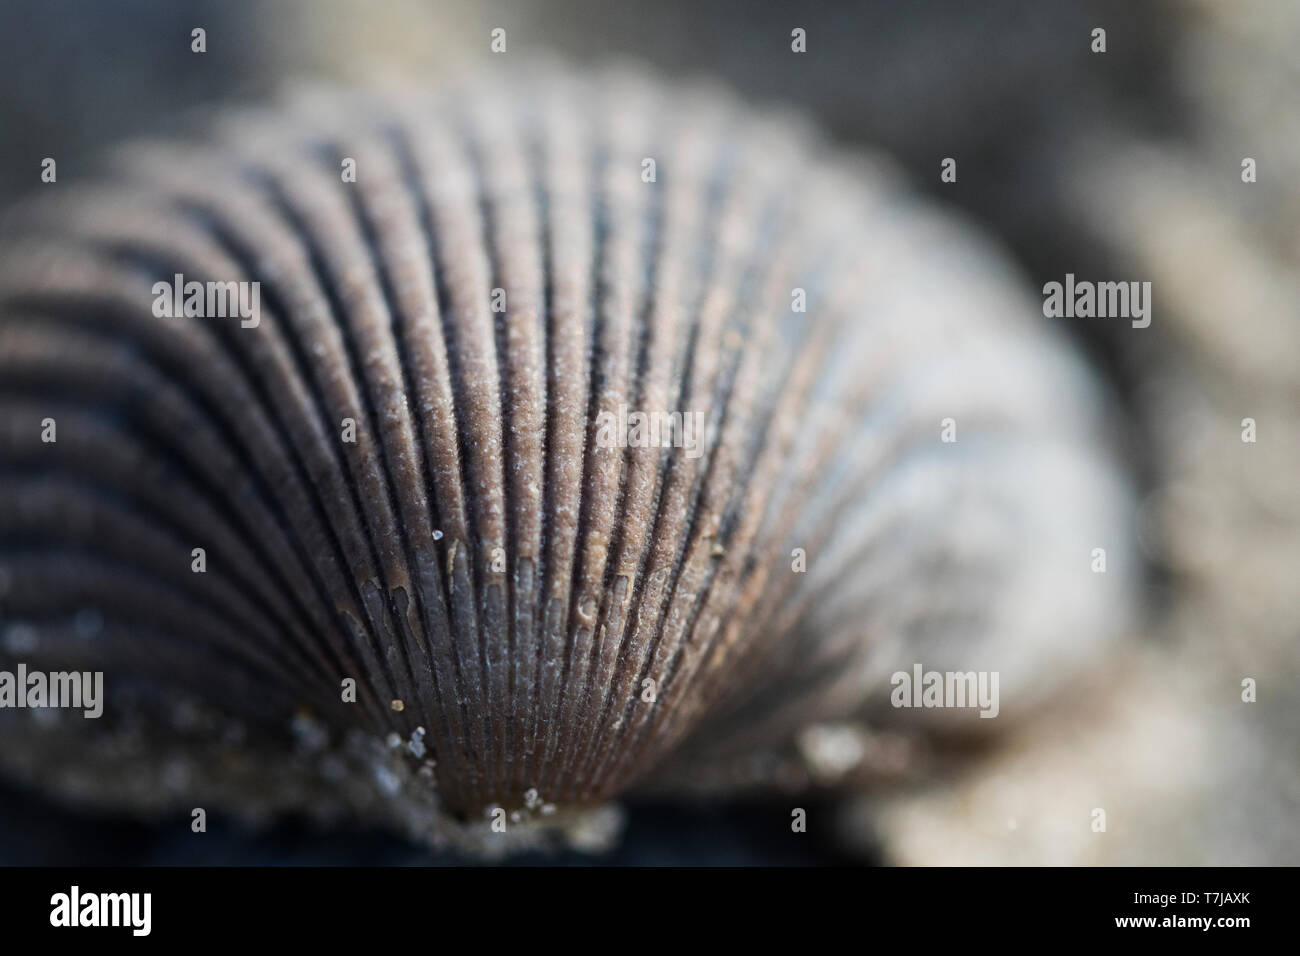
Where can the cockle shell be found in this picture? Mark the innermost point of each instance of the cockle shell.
(397, 478)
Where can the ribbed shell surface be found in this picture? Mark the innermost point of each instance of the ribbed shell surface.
(514, 264)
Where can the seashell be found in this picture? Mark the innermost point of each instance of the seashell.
(406, 469)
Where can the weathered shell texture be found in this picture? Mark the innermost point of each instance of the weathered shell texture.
(477, 553)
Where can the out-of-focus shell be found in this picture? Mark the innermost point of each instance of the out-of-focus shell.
(534, 618)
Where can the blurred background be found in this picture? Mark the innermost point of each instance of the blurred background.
(1123, 165)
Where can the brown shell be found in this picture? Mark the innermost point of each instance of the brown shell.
(478, 553)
